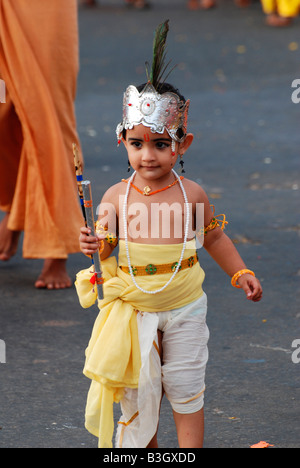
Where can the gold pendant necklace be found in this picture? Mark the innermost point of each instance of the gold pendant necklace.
(148, 190)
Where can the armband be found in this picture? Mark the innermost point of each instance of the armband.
(110, 238)
(215, 222)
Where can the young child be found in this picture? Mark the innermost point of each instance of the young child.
(151, 335)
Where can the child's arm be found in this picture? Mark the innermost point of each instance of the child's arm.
(89, 245)
(222, 250)
(107, 219)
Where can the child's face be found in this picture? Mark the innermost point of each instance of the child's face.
(150, 154)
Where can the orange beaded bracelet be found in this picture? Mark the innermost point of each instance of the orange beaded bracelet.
(236, 277)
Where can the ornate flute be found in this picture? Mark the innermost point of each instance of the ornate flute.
(85, 195)
(88, 206)
(79, 177)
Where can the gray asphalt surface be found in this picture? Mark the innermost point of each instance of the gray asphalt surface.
(238, 74)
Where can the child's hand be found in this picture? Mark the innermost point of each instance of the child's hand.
(89, 244)
(251, 286)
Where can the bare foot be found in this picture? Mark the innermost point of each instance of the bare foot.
(243, 3)
(138, 4)
(278, 21)
(54, 275)
(201, 4)
(89, 3)
(8, 240)
(193, 5)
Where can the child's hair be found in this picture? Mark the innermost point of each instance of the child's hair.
(163, 88)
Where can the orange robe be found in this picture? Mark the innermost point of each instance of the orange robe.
(39, 64)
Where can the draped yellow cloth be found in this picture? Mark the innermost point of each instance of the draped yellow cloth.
(285, 8)
(39, 65)
(113, 356)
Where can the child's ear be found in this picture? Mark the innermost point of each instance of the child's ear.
(184, 146)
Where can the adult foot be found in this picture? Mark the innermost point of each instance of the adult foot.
(201, 4)
(243, 3)
(54, 275)
(278, 21)
(138, 4)
(9, 240)
(89, 3)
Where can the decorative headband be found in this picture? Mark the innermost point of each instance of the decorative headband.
(157, 111)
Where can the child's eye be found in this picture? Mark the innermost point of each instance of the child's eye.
(162, 145)
(136, 144)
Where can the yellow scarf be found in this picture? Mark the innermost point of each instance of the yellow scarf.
(113, 355)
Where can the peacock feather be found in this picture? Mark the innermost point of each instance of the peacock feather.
(159, 65)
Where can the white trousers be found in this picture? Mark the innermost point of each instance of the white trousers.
(181, 373)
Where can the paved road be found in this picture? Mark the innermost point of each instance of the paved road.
(238, 74)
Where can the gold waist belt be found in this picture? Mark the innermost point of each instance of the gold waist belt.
(160, 269)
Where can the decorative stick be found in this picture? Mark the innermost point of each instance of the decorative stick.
(79, 177)
(88, 206)
(85, 196)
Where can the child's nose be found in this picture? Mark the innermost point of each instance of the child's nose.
(148, 154)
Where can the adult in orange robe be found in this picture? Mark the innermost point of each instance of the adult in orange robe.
(39, 65)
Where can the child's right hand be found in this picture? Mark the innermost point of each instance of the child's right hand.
(88, 244)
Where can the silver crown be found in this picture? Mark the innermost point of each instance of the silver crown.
(159, 112)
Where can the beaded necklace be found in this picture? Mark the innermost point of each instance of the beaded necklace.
(186, 229)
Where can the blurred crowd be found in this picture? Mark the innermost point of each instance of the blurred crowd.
(279, 13)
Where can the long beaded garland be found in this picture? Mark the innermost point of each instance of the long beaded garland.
(186, 229)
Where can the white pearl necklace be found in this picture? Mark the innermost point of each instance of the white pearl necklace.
(186, 229)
